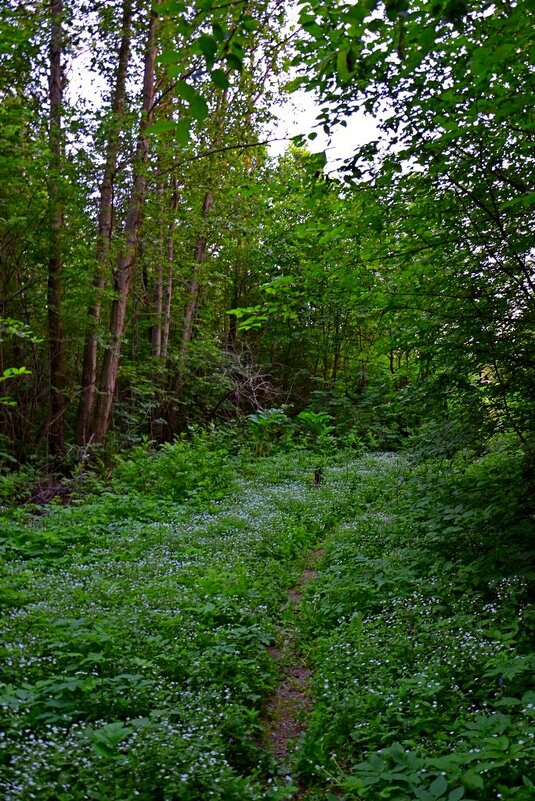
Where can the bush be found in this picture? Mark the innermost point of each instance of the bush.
(182, 470)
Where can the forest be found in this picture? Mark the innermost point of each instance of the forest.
(267, 417)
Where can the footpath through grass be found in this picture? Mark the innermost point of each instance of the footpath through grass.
(137, 626)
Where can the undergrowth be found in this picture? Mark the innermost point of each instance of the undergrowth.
(422, 627)
(137, 622)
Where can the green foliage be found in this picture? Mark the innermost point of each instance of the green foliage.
(135, 628)
(137, 623)
(267, 426)
(185, 469)
(423, 626)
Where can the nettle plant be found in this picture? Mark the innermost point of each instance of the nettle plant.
(267, 426)
(317, 427)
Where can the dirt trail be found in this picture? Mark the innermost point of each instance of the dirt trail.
(286, 712)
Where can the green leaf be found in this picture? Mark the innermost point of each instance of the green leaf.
(104, 750)
(169, 8)
(11, 372)
(438, 787)
(168, 57)
(182, 132)
(218, 31)
(346, 60)
(197, 104)
(234, 61)
(249, 23)
(357, 13)
(473, 780)
(208, 46)
(199, 108)
(456, 794)
(160, 126)
(220, 79)
(186, 91)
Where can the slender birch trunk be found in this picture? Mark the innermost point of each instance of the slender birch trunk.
(126, 258)
(104, 234)
(193, 289)
(168, 285)
(56, 345)
(156, 328)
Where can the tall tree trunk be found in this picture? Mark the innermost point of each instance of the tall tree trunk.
(156, 328)
(126, 257)
(168, 285)
(56, 425)
(190, 310)
(193, 289)
(105, 218)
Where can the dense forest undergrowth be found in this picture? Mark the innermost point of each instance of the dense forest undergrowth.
(140, 621)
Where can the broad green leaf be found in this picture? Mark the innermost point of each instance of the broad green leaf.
(234, 61)
(186, 91)
(220, 78)
(168, 57)
(438, 787)
(199, 108)
(208, 46)
(104, 750)
(218, 32)
(182, 132)
(341, 66)
(160, 126)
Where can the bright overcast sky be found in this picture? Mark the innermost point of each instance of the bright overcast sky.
(298, 116)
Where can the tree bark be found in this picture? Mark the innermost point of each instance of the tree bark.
(104, 234)
(56, 345)
(156, 329)
(126, 258)
(193, 289)
(190, 311)
(168, 285)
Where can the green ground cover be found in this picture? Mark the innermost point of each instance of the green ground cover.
(136, 623)
(421, 624)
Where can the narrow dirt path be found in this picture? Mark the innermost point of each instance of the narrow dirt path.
(285, 717)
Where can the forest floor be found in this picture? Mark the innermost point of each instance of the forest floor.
(282, 641)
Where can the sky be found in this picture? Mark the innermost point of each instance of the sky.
(298, 116)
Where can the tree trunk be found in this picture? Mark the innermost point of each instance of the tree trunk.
(201, 244)
(127, 255)
(156, 328)
(105, 221)
(168, 286)
(193, 290)
(56, 424)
